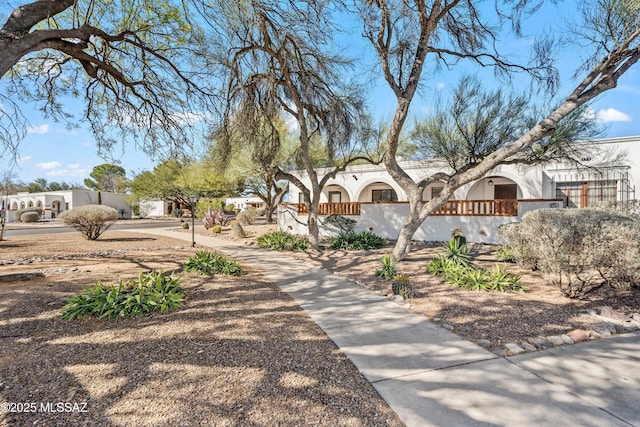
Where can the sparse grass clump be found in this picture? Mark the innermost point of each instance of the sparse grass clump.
(150, 292)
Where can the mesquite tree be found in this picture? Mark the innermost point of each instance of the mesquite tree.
(410, 36)
(136, 64)
(280, 62)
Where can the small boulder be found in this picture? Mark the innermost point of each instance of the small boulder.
(567, 339)
(540, 342)
(484, 343)
(513, 349)
(579, 335)
(397, 298)
(600, 331)
(528, 347)
(610, 313)
(555, 340)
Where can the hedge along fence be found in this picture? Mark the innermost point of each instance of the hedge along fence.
(578, 249)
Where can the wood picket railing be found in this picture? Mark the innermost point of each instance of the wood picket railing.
(346, 208)
(506, 207)
(450, 208)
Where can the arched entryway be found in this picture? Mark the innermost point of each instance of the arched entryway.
(336, 194)
(378, 192)
(495, 188)
(56, 208)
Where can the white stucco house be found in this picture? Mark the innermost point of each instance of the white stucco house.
(244, 203)
(55, 202)
(368, 194)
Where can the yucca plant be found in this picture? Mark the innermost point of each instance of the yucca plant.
(150, 292)
(356, 241)
(439, 265)
(457, 252)
(282, 241)
(501, 281)
(388, 270)
(208, 263)
(504, 253)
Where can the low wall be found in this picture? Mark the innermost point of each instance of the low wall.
(386, 220)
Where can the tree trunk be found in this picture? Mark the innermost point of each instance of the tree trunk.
(3, 220)
(403, 244)
(268, 213)
(314, 230)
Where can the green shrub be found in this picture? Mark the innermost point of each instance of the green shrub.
(20, 212)
(208, 263)
(185, 225)
(578, 249)
(29, 217)
(90, 220)
(247, 217)
(341, 222)
(388, 270)
(504, 253)
(238, 231)
(402, 286)
(356, 241)
(216, 229)
(282, 241)
(150, 292)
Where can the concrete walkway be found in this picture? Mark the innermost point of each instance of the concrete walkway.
(432, 377)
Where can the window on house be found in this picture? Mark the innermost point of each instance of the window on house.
(386, 195)
(587, 193)
(435, 192)
(335, 197)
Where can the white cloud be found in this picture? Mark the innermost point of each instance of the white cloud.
(68, 172)
(612, 115)
(48, 165)
(24, 159)
(54, 169)
(41, 130)
(440, 86)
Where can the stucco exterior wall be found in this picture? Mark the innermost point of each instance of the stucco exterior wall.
(386, 220)
(55, 202)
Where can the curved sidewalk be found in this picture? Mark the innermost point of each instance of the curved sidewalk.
(432, 377)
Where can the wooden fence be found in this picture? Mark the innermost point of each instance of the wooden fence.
(450, 208)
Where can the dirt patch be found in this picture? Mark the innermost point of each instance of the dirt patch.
(499, 317)
(239, 351)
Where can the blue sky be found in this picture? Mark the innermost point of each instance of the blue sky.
(53, 152)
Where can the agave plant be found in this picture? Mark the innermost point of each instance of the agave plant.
(458, 253)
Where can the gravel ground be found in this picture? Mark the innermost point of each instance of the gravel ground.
(238, 353)
(498, 317)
